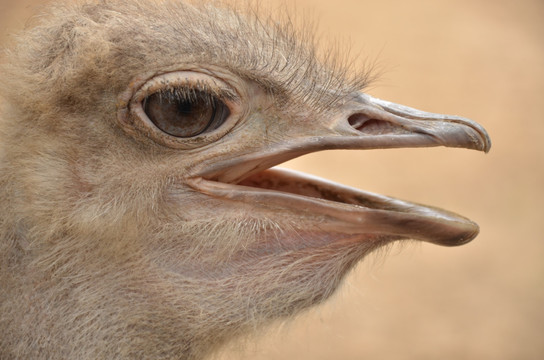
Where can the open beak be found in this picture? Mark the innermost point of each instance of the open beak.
(363, 123)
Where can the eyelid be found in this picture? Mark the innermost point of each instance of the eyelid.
(134, 120)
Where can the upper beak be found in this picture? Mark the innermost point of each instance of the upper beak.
(383, 124)
(363, 123)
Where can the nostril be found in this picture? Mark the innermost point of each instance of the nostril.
(368, 125)
(358, 120)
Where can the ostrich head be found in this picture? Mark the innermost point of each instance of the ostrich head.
(141, 213)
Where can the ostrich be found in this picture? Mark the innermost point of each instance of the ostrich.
(142, 215)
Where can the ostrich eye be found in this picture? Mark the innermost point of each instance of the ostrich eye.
(185, 113)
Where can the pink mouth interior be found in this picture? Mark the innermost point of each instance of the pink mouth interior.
(308, 186)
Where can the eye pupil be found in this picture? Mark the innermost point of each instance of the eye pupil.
(185, 113)
(185, 108)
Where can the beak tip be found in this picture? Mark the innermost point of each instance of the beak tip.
(462, 236)
(487, 145)
(485, 139)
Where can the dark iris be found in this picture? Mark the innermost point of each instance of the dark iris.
(185, 113)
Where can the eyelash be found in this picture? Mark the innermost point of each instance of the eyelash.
(188, 90)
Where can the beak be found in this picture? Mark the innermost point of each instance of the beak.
(362, 123)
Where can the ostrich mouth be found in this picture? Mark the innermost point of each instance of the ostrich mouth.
(336, 208)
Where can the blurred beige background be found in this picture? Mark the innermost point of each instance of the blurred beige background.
(482, 59)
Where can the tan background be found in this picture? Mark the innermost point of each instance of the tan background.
(483, 59)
